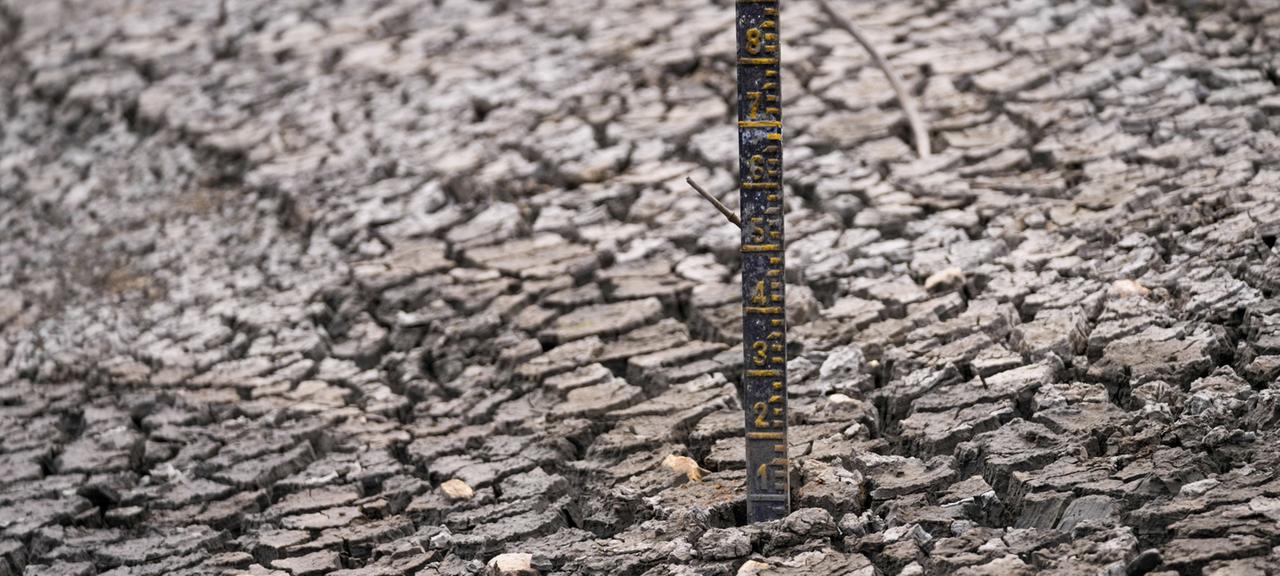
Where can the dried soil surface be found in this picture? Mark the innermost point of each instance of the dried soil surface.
(274, 274)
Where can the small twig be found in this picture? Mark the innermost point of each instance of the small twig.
(918, 127)
(733, 218)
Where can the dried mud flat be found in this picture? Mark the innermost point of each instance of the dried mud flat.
(272, 272)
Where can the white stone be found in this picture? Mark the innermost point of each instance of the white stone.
(512, 564)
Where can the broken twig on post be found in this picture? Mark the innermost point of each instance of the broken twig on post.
(919, 129)
(728, 214)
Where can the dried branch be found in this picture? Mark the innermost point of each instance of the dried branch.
(733, 218)
(918, 126)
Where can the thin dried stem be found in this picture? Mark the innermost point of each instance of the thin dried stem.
(733, 218)
(918, 126)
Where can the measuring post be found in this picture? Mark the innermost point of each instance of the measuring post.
(764, 320)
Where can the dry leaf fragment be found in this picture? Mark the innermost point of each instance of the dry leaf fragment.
(685, 465)
(457, 489)
(1129, 288)
(949, 279)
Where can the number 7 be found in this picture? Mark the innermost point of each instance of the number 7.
(755, 98)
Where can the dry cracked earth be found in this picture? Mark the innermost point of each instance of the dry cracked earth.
(274, 272)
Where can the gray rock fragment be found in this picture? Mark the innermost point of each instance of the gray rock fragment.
(321, 562)
(602, 320)
(1097, 509)
(1060, 332)
(595, 400)
(724, 544)
(834, 489)
(498, 222)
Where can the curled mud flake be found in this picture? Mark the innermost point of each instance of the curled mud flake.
(685, 465)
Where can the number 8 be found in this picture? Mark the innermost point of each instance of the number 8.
(753, 40)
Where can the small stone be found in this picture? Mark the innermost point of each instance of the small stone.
(512, 564)
(1144, 562)
(457, 489)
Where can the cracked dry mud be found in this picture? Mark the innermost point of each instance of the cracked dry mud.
(386, 288)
